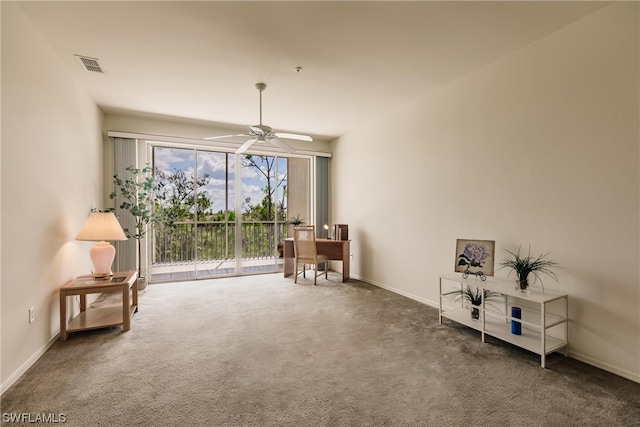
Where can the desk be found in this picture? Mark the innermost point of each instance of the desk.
(335, 250)
(99, 317)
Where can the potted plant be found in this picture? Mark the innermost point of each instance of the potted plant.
(474, 297)
(136, 194)
(294, 221)
(523, 266)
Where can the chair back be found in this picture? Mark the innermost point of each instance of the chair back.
(304, 241)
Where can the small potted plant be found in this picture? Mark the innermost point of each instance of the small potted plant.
(294, 221)
(474, 297)
(523, 266)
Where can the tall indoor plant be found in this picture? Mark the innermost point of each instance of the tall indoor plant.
(524, 266)
(136, 195)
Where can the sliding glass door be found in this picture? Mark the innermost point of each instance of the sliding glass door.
(196, 192)
(202, 192)
(264, 210)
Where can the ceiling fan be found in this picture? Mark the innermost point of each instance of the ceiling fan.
(263, 133)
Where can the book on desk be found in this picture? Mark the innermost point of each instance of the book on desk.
(341, 231)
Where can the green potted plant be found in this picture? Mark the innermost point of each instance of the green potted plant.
(136, 194)
(293, 221)
(474, 297)
(524, 266)
(296, 220)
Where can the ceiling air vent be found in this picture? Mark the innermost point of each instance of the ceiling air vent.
(90, 64)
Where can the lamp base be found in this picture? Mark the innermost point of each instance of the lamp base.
(102, 255)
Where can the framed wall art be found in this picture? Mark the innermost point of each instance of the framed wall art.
(475, 256)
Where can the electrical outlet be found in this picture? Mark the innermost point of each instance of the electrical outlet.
(32, 315)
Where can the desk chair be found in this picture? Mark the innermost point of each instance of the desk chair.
(304, 244)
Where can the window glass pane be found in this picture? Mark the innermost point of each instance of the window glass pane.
(216, 217)
(174, 249)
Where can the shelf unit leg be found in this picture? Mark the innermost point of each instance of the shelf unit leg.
(543, 335)
(440, 306)
(566, 326)
(506, 309)
(483, 327)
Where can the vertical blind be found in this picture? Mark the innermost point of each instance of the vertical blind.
(125, 154)
(322, 195)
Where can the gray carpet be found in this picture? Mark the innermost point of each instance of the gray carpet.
(263, 351)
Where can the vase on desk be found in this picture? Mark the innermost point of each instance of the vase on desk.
(475, 313)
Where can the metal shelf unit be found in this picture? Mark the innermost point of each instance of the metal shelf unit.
(544, 321)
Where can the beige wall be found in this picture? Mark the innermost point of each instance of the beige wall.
(51, 178)
(539, 148)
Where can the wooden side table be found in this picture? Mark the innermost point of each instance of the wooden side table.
(95, 318)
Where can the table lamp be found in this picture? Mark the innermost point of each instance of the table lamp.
(100, 227)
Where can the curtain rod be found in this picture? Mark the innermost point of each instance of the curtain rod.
(200, 142)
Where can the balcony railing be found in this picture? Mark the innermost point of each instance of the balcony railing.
(211, 241)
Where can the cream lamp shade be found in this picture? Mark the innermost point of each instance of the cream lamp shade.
(101, 227)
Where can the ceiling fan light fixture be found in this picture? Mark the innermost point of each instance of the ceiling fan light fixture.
(260, 129)
(263, 133)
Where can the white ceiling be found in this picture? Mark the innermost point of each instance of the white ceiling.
(200, 60)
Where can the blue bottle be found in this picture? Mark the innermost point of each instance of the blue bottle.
(516, 327)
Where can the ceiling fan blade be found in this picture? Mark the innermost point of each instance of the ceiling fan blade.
(244, 147)
(263, 133)
(294, 136)
(225, 136)
(282, 145)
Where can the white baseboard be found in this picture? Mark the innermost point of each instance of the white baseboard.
(400, 292)
(604, 366)
(27, 364)
(574, 355)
